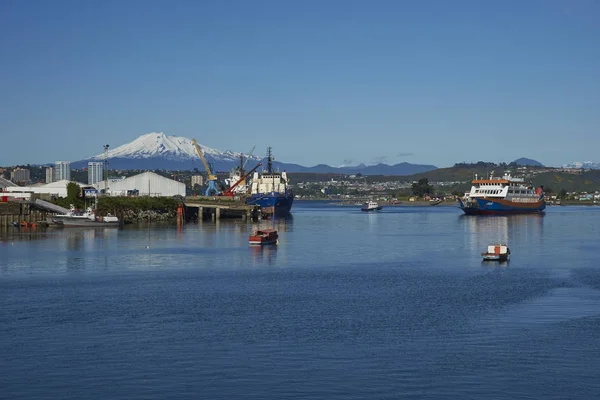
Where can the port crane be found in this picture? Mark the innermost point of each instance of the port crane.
(248, 158)
(211, 178)
(229, 192)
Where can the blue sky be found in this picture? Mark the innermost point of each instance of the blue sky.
(330, 81)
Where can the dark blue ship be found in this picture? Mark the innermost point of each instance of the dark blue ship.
(269, 191)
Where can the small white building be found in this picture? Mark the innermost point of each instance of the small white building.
(58, 189)
(144, 184)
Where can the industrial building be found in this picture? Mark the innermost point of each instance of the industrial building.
(144, 184)
(4, 183)
(57, 189)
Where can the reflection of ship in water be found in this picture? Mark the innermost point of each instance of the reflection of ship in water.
(511, 229)
(281, 224)
(264, 254)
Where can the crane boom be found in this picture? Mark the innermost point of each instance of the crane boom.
(248, 158)
(211, 177)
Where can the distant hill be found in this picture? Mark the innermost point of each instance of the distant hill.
(554, 181)
(528, 162)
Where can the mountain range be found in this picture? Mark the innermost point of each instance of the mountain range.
(583, 165)
(159, 151)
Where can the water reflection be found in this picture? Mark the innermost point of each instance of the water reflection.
(262, 255)
(482, 230)
(281, 224)
(492, 264)
(11, 234)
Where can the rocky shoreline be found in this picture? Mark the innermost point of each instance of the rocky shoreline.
(135, 216)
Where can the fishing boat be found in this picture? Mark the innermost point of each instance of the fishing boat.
(263, 237)
(370, 206)
(87, 218)
(505, 195)
(496, 252)
(269, 191)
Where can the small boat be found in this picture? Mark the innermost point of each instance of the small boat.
(263, 236)
(370, 206)
(88, 218)
(496, 252)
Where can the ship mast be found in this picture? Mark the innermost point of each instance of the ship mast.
(241, 166)
(269, 160)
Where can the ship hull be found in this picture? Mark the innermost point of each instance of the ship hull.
(70, 222)
(487, 206)
(277, 204)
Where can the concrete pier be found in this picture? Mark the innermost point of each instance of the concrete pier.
(218, 207)
(20, 212)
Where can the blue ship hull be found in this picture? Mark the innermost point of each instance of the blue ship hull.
(487, 206)
(277, 204)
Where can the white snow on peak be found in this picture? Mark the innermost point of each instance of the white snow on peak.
(584, 165)
(159, 145)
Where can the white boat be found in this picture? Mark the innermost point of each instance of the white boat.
(85, 218)
(370, 206)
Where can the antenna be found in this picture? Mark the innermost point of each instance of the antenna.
(106, 169)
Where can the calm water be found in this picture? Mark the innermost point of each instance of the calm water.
(349, 305)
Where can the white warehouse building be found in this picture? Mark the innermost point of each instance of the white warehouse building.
(146, 184)
(58, 189)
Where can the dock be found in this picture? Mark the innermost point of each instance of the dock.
(22, 213)
(218, 207)
(36, 211)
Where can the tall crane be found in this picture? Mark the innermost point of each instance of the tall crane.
(248, 158)
(212, 179)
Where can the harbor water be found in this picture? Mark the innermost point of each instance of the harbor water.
(349, 305)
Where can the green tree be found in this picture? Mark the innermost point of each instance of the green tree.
(422, 188)
(73, 191)
(562, 194)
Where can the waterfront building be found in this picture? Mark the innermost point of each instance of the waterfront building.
(95, 172)
(62, 171)
(144, 184)
(54, 189)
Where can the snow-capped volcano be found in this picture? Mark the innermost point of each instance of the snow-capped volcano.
(173, 148)
(175, 153)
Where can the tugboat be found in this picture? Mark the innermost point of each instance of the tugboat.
(496, 252)
(269, 191)
(263, 237)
